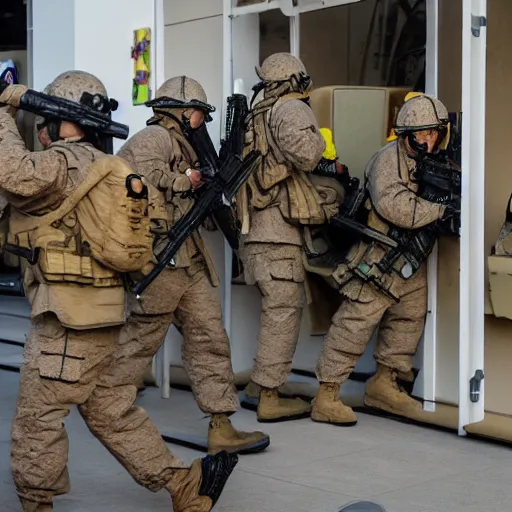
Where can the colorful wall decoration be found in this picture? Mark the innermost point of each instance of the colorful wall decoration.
(141, 55)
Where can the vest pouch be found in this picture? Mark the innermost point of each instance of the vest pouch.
(86, 307)
(159, 213)
(269, 176)
(64, 266)
(60, 262)
(299, 201)
(331, 193)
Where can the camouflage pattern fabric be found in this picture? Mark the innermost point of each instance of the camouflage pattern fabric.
(162, 156)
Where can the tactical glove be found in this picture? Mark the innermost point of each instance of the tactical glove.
(449, 224)
(11, 94)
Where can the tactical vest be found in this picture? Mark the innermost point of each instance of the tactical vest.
(165, 216)
(436, 180)
(96, 234)
(385, 267)
(303, 199)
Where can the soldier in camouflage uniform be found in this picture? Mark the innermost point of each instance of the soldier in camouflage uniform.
(71, 202)
(277, 201)
(162, 154)
(392, 200)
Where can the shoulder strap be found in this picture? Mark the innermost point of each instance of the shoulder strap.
(185, 144)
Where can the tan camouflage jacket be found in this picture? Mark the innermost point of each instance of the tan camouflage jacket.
(290, 141)
(36, 183)
(163, 156)
(392, 200)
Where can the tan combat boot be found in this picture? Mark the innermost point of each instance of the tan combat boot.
(328, 408)
(384, 393)
(223, 436)
(198, 488)
(272, 409)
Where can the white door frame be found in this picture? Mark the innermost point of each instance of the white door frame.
(430, 333)
(227, 88)
(472, 241)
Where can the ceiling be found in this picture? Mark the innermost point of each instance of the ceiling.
(13, 25)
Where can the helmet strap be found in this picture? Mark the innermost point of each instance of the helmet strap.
(185, 124)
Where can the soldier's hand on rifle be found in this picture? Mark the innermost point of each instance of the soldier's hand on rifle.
(195, 177)
(11, 94)
(449, 224)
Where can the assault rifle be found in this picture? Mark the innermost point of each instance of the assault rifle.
(438, 180)
(222, 187)
(93, 113)
(205, 150)
(232, 145)
(237, 112)
(352, 217)
(345, 229)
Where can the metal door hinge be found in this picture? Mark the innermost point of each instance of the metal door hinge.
(474, 386)
(477, 22)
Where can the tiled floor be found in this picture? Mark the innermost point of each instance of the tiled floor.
(308, 468)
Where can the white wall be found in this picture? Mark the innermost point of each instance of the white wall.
(182, 11)
(53, 40)
(246, 49)
(246, 300)
(94, 36)
(194, 48)
(103, 47)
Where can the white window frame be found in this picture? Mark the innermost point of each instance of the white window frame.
(430, 332)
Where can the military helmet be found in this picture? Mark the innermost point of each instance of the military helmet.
(182, 92)
(71, 85)
(93, 110)
(182, 88)
(87, 90)
(280, 67)
(421, 113)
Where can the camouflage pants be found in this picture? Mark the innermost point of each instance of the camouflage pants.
(206, 353)
(63, 367)
(279, 273)
(361, 312)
